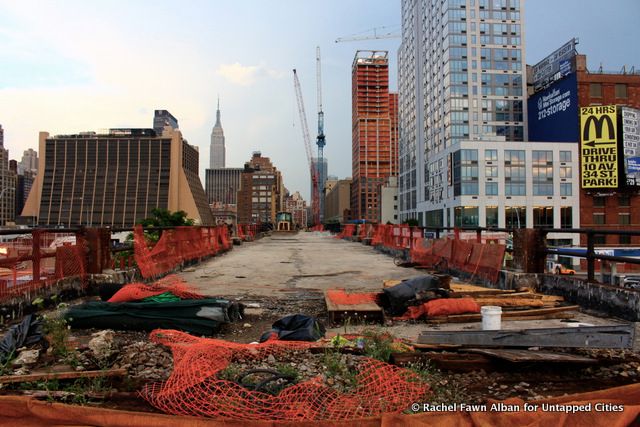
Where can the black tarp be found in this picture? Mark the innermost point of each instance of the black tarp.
(397, 298)
(27, 332)
(199, 317)
(297, 327)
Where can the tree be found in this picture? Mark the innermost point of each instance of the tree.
(165, 218)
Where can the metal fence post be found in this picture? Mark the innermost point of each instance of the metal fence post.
(35, 254)
(591, 262)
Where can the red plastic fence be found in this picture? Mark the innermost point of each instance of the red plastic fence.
(37, 260)
(348, 231)
(483, 260)
(395, 236)
(195, 388)
(170, 283)
(176, 246)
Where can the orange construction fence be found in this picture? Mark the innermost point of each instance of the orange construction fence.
(176, 246)
(625, 401)
(39, 259)
(348, 231)
(483, 260)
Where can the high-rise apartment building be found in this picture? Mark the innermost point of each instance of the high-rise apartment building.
(464, 155)
(162, 118)
(217, 150)
(29, 162)
(297, 206)
(374, 149)
(322, 179)
(116, 178)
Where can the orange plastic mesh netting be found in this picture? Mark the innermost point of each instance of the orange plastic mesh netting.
(339, 296)
(195, 389)
(171, 283)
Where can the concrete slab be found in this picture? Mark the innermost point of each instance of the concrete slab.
(295, 266)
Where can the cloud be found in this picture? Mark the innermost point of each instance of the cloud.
(246, 75)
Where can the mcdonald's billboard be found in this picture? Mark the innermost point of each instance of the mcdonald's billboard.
(599, 146)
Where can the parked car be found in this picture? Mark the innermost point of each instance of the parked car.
(557, 268)
(631, 282)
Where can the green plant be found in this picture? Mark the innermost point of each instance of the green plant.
(378, 344)
(57, 330)
(230, 373)
(288, 371)
(335, 367)
(443, 388)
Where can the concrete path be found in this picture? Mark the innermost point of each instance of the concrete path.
(285, 265)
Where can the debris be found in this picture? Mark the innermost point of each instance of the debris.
(342, 306)
(297, 327)
(398, 297)
(519, 356)
(101, 345)
(27, 332)
(26, 357)
(246, 325)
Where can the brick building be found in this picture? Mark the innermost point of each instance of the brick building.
(374, 132)
(604, 209)
(261, 193)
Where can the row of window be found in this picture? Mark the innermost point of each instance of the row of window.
(515, 216)
(595, 90)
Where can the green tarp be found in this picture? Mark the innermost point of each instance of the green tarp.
(199, 317)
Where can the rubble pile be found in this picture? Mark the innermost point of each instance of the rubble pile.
(145, 361)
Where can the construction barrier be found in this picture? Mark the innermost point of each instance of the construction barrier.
(177, 246)
(348, 231)
(29, 412)
(318, 227)
(171, 283)
(38, 260)
(482, 260)
(194, 387)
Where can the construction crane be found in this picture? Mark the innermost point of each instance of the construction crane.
(373, 33)
(320, 140)
(315, 207)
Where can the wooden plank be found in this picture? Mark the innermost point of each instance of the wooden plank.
(46, 376)
(509, 302)
(358, 312)
(619, 336)
(519, 356)
(459, 362)
(533, 314)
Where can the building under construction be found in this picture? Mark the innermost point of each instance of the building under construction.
(374, 133)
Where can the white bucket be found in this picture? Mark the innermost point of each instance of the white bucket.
(491, 317)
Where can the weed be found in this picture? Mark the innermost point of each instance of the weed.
(336, 367)
(288, 371)
(5, 365)
(230, 373)
(58, 331)
(444, 389)
(378, 344)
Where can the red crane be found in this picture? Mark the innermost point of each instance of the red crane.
(315, 200)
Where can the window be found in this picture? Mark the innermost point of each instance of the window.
(624, 219)
(621, 90)
(599, 239)
(543, 217)
(565, 189)
(491, 216)
(515, 172)
(566, 217)
(542, 173)
(598, 219)
(565, 156)
(491, 189)
(595, 90)
(465, 172)
(565, 171)
(515, 217)
(598, 202)
(624, 240)
(466, 216)
(491, 155)
(491, 171)
(624, 201)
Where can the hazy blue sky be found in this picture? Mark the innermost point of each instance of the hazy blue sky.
(70, 66)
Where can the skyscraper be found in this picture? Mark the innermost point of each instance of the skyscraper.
(7, 185)
(461, 78)
(29, 162)
(322, 179)
(374, 152)
(162, 118)
(217, 150)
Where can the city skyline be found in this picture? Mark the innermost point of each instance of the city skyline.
(120, 71)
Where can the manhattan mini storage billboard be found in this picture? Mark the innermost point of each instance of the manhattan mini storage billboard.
(599, 146)
(553, 112)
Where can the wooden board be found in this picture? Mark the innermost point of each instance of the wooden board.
(519, 356)
(47, 376)
(458, 362)
(367, 312)
(618, 336)
(534, 314)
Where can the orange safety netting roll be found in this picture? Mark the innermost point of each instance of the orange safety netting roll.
(339, 296)
(195, 389)
(171, 283)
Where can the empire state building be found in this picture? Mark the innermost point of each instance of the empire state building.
(217, 151)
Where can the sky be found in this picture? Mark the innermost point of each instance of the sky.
(73, 66)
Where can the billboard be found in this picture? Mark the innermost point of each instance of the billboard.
(555, 66)
(553, 112)
(631, 144)
(599, 147)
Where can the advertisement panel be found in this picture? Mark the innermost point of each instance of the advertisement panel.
(555, 66)
(553, 112)
(598, 147)
(631, 144)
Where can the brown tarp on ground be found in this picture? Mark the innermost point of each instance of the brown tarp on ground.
(26, 412)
